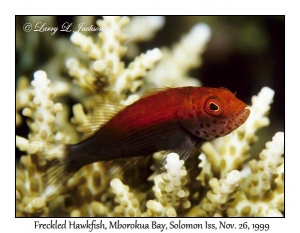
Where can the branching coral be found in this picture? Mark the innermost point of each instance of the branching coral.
(136, 32)
(42, 112)
(106, 72)
(169, 189)
(222, 192)
(262, 189)
(172, 70)
(128, 204)
(227, 184)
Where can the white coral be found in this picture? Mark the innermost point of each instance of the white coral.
(128, 204)
(42, 110)
(169, 189)
(266, 173)
(223, 190)
(141, 28)
(106, 71)
(266, 170)
(186, 54)
(259, 109)
(130, 78)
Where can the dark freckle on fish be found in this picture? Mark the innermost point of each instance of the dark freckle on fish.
(204, 132)
(207, 125)
(201, 126)
(214, 130)
(206, 135)
(214, 121)
(223, 122)
(228, 127)
(197, 132)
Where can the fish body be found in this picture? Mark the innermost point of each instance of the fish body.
(172, 119)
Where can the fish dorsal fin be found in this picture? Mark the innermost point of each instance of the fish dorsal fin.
(101, 114)
(105, 111)
(154, 91)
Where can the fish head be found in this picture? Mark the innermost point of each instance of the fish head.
(213, 113)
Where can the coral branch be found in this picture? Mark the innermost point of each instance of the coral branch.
(222, 192)
(173, 68)
(128, 204)
(42, 110)
(169, 189)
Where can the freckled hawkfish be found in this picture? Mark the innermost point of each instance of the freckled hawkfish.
(170, 119)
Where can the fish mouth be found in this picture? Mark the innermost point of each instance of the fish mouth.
(241, 118)
(244, 114)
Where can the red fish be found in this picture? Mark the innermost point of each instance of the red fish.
(171, 119)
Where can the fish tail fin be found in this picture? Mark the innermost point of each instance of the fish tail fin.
(57, 160)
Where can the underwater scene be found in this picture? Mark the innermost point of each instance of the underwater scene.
(150, 116)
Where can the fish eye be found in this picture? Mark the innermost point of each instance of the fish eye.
(213, 106)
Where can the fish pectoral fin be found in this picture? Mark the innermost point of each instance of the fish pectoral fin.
(183, 149)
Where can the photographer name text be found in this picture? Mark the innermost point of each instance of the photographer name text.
(65, 27)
